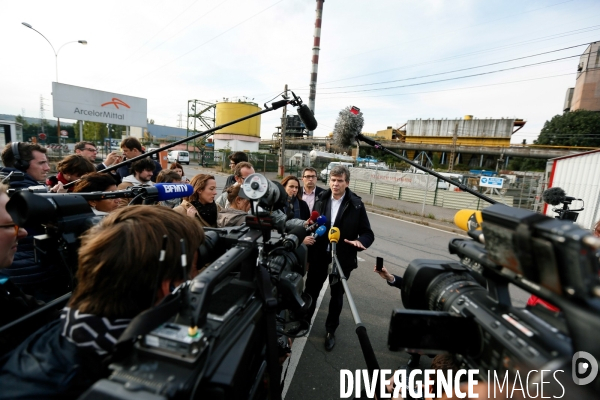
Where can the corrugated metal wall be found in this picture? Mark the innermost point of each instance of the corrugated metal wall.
(579, 176)
(441, 198)
(489, 128)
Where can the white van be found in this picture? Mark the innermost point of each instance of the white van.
(182, 157)
(325, 173)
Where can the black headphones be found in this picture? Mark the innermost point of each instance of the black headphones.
(20, 164)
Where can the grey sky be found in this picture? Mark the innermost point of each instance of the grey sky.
(173, 51)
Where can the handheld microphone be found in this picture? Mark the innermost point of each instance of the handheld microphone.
(168, 191)
(554, 196)
(294, 238)
(322, 220)
(319, 232)
(311, 221)
(468, 220)
(334, 237)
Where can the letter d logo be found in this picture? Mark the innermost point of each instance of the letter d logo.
(578, 369)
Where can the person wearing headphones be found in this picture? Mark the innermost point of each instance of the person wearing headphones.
(27, 158)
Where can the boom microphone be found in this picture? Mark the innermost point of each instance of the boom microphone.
(307, 117)
(344, 138)
(554, 196)
(305, 114)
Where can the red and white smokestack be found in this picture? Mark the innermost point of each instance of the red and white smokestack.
(315, 59)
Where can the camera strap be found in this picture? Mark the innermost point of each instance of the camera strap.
(266, 291)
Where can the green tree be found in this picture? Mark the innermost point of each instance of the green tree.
(577, 128)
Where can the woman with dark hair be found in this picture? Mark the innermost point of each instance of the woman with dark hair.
(98, 182)
(179, 169)
(201, 204)
(295, 206)
(236, 213)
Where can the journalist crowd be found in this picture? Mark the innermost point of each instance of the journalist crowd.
(61, 319)
(117, 273)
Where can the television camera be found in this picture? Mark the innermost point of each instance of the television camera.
(465, 308)
(220, 335)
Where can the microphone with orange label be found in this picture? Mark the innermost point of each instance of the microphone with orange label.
(468, 220)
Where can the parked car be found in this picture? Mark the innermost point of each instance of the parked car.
(325, 173)
(182, 157)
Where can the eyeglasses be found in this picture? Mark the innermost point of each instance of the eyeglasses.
(15, 227)
(92, 150)
(309, 176)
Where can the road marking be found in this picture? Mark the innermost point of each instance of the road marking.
(414, 223)
(360, 259)
(298, 346)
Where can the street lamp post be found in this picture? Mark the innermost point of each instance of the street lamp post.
(84, 42)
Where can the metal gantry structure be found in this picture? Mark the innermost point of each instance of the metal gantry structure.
(200, 117)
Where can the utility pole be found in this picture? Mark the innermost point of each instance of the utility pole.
(283, 124)
(453, 152)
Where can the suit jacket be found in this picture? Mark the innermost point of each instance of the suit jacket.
(353, 223)
(397, 282)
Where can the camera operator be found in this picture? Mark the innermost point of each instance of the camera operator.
(346, 211)
(115, 283)
(236, 213)
(13, 302)
(27, 158)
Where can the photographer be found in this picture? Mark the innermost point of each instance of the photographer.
(27, 158)
(115, 283)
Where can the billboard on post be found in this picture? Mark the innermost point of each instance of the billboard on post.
(74, 102)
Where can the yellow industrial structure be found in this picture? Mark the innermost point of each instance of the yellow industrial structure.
(229, 111)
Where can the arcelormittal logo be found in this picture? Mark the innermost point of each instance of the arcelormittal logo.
(116, 102)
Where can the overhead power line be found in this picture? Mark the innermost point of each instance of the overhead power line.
(455, 78)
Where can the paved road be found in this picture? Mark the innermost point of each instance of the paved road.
(314, 373)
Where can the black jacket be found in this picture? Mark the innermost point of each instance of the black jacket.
(397, 282)
(353, 223)
(48, 366)
(25, 183)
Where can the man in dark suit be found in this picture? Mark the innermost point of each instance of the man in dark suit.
(310, 191)
(346, 211)
(89, 151)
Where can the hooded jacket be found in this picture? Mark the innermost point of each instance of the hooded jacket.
(231, 217)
